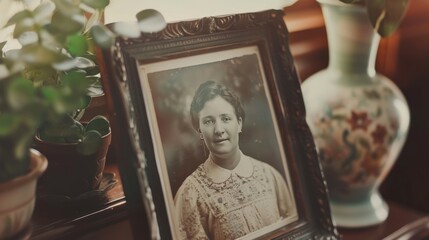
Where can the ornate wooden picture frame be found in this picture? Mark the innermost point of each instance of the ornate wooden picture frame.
(183, 99)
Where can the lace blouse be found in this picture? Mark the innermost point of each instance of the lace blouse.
(217, 203)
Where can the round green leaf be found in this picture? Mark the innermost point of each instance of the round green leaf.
(29, 37)
(150, 20)
(65, 65)
(83, 62)
(39, 54)
(90, 144)
(386, 15)
(43, 12)
(130, 30)
(76, 45)
(20, 93)
(74, 134)
(8, 123)
(41, 75)
(84, 103)
(24, 25)
(73, 76)
(19, 16)
(102, 36)
(67, 23)
(99, 124)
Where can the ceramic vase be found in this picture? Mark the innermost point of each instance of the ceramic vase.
(359, 118)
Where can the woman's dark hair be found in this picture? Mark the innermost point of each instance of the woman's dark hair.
(209, 90)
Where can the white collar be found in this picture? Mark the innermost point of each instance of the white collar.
(219, 174)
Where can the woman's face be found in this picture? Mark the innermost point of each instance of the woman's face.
(219, 126)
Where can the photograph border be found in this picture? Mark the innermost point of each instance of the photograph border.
(135, 147)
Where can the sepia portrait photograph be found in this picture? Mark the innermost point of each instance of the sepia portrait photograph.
(219, 151)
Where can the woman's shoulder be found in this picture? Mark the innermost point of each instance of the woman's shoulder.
(259, 163)
(263, 167)
(190, 184)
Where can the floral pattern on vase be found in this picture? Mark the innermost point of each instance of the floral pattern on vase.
(355, 131)
(359, 119)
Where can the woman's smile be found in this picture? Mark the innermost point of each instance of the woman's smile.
(221, 140)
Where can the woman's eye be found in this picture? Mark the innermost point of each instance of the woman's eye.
(208, 122)
(226, 119)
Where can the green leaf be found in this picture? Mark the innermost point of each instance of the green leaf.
(41, 75)
(8, 123)
(91, 71)
(27, 38)
(99, 124)
(65, 65)
(150, 20)
(73, 76)
(90, 144)
(22, 147)
(50, 94)
(83, 63)
(76, 45)
(68, 23)
(39, 54)
(93, 20)
(20, 93)
(102, 36)
(67, 7)
(18, 17)
(63, 131)
(76, 62)
(97, 4)
(130, 30)
(84, 103)
(43, 13)
(74, 134)
(25, 25)
(386, 15)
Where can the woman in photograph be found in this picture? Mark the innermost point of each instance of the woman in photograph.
(231, 194)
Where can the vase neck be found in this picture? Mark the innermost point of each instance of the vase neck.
(352, 41)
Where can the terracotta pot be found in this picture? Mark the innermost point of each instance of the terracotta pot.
(17, 197)
(70, 173)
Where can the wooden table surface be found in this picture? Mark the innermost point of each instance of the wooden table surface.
(98, 222)
(399, 216)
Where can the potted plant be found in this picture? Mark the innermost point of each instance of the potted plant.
(43, 88)
(359, 118)
(42, 83)
(56, 59)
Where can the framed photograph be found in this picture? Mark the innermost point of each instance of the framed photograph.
(209, 132)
